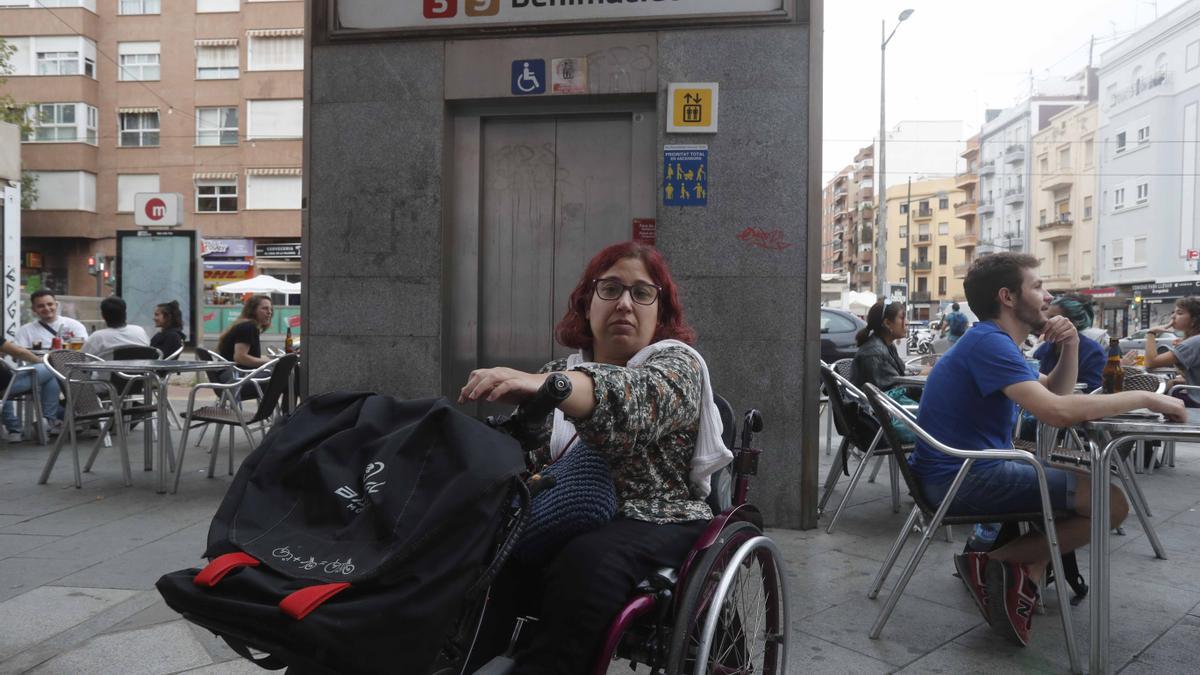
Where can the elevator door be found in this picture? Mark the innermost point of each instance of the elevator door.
(553, 190)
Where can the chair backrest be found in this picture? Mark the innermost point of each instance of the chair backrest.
(850, 409)
(888, 411)
(204, 354)
(83, 395)
(132, 352)
(842, 367)
(174, 356)
(1144, 382)
(224, 376)
(277, 386)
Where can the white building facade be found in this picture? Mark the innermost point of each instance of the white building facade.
(1149, 188)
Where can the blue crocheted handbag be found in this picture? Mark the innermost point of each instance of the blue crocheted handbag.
(582, 499)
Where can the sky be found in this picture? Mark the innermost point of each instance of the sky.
(953, 59)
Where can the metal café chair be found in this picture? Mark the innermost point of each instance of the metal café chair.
(927, 518)
(859, 429)
(84, 406)
(1169, 446)
(31, 401)
(228, 411)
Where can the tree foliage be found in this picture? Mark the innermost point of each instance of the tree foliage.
(10, 109)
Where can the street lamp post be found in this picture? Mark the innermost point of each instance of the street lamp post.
(881, 184)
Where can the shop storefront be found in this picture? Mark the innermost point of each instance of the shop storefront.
(280, 259)
(1157, 301)
(225, 261)
(1113, 307)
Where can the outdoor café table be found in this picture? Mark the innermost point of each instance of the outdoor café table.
(157, 370)
(1123, 430)
(911, 380)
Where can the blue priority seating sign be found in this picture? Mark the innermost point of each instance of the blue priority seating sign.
(685, 175)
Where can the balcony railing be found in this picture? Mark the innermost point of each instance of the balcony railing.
(986, 208)
(987, 169)
(922, 265)
(960, 271)
(923, 239)
(1058, 229)
(923, 213)
(920, 296)
(963, 180)
(966, 208)
(1157, 83)
(1014, 196)
(1014, 153)
(1060, 180)
(966, 240)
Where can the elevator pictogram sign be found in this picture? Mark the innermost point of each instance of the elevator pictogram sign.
(693, 108)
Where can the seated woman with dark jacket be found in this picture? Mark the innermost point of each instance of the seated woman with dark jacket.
(877, 360)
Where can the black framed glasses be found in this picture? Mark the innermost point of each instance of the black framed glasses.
(611, 289)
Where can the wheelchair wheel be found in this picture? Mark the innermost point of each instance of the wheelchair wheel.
(733, 616)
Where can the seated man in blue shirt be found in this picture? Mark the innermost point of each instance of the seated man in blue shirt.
(970, 403)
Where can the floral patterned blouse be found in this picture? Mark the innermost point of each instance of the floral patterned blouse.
(645, 424)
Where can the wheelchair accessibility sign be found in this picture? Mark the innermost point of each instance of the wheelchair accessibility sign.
(685, 175)
(528, 77)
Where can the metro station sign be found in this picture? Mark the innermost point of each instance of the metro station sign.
(351, 16)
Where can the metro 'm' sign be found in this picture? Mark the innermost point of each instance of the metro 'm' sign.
(158, 209)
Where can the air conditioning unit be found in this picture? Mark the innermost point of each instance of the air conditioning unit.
(864, 268)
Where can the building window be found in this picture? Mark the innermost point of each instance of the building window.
(61, 63)
(941, 255)
(275, 52)
(217, 126)
(903, 233)
(1042, 217)
(139, 61)
(1116, 250)
(283, 192)
(203, 6)
(216, 196)
(1064, 265)
(903, 208)
(1118, 199)
(1143, 193)
(943, 202)
(1043, 166)
(943, 228)
(60, 122)
(1192, 56)
(1120, 142)
(278, 118)
(1139, 251)
(1089, 151)
(126, 7)
(1064, 159)
(1143, 135)
(941, 285)
(139, 130)
(128, 185)
(1087, 207)
(218, 62)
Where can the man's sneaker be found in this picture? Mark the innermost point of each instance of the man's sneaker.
(971, 569)
(13, 437)
(1012, 596)
(54, 427)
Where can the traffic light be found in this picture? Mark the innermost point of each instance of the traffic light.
(93, 269)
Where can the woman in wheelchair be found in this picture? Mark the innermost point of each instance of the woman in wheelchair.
(640, 400)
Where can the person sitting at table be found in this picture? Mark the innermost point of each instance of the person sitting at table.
(22, 383)
(169, 320)
(1185, 354)
(49, 324)
(970, 402)
(117, 332)
(877, 360)
(1091, 355)
(239, 343)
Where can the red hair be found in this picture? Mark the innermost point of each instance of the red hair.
(575, 331)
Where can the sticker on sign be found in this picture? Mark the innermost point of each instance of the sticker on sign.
(158, 209)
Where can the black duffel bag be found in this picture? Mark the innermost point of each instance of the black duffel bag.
(357, 537)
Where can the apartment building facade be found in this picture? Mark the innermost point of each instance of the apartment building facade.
(847, 222)
(198, 97)
(922, 230)
(1005, 161)
(1149, 188)
(1063, 199)
(967, 180)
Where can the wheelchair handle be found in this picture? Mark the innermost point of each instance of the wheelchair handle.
(529, 417)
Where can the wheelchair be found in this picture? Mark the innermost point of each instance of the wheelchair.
(724, 609)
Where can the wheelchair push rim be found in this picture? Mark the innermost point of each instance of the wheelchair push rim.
(734, 618)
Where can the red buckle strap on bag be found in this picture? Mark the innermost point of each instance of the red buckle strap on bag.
(222, 565)
(302, 602)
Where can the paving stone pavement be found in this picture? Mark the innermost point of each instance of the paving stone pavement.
(77, 573)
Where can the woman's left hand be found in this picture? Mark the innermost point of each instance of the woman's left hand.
(504, 385)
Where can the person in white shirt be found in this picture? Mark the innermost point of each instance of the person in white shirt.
(118, 333)
(48, 324)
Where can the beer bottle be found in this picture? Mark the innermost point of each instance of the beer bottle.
(287, 341)
(1113, 376)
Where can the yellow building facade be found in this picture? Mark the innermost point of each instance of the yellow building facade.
(921, 243)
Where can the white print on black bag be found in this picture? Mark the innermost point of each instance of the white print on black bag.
(356, 502)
